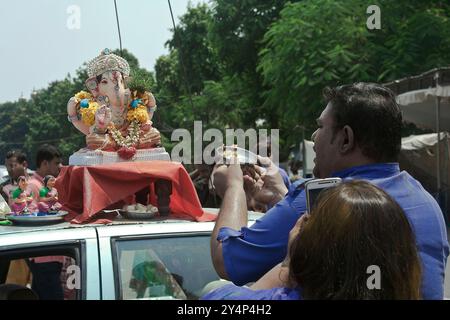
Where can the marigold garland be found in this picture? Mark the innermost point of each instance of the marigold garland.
(82, 95)
(138, 114)
(88, 114)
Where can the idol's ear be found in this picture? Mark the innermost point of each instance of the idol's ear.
(92, 86)
(126, 80)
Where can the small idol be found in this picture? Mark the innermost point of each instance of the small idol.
(21, 198)
(48, 196)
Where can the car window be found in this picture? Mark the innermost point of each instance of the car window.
(50, 274)
(163, 268)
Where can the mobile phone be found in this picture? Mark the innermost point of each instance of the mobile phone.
(314, 187)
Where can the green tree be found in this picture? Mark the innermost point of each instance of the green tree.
(237, 32)
(238, 29)
(414, 38)
(198, 61)
(210, 73)
(324, 42)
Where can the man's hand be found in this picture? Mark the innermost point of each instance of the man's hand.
(226, 176)
(234, 175)
(267, 186)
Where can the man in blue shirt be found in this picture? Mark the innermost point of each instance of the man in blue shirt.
(358, 137)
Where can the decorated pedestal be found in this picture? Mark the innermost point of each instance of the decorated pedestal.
(85, 191)
(86, 157)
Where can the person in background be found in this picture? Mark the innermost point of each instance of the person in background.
(201, 178)
(17, 166)
(360, 226)
(16, 163)
(48, 162)
(49, 272)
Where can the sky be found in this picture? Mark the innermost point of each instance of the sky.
(43, 40)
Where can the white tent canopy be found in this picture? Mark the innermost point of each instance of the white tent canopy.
(425, 101)
(420, 106)
(423, 141)
(419, 157)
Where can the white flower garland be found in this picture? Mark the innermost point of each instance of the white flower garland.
(131, 140)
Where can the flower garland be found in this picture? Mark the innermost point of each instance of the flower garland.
(127, 145)
(131, 140)
(137, 114)
(87, 106)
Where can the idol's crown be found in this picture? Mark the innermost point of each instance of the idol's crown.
(107, 61)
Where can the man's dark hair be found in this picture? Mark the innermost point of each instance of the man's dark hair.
(374, 116)
(46, 152)
(18, 154)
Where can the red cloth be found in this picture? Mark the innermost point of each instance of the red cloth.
(86, 190)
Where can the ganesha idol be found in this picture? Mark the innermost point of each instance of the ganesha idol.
(116, 120)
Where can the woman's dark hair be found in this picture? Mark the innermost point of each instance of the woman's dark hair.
(355, 226)
(374, 116)
(47, 178)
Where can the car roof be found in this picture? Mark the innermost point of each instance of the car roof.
(252, 216)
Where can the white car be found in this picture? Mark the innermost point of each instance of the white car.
(157, 259)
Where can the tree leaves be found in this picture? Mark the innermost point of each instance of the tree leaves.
(324, 43)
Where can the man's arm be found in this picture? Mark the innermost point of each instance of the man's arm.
(245, 254)
(232, 213)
